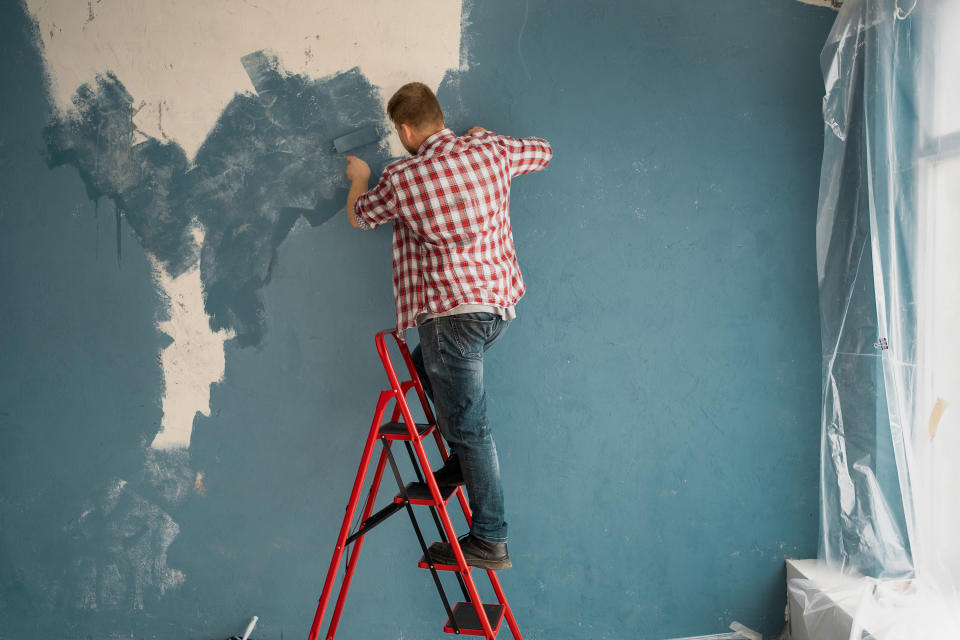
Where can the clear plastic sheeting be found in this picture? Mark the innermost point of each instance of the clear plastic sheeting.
(888, 259)
(740, 633)
(716, 636)
(871, 608)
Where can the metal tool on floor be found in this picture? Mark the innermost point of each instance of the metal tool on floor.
(470, 617)
(246, 634)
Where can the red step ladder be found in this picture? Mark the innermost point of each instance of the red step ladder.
(470, 617)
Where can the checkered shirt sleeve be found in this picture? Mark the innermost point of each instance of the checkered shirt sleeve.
(526, 154)
(378, 205)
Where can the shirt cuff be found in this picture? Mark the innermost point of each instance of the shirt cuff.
(361, 223)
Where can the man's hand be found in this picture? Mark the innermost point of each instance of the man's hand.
(475, 130)
(358, 173)
(357, 169)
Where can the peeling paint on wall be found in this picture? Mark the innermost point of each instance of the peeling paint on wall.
(213, 226)
(211, 180)
(211, 154)
(179, 58)
(132, 536)
(168, 472)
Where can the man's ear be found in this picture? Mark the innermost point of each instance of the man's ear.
(405, 131)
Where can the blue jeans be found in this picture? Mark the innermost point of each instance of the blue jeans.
(449, 362)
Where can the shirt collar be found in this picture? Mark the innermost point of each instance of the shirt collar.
(436, 140)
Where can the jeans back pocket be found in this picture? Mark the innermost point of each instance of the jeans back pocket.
(472, 332)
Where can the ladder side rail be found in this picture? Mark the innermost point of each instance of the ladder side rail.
(395, 383)
(436, 518)
(431, 481)
(415, 378)
(385, 397)
(507, 611)
(461, 494)
(357, 545)
(417, 384)
(438, 438)
(454, 544)
(464, 505)
(365, 525)
(395, 416)
(416, 528)
(374, 488)
(441, 446)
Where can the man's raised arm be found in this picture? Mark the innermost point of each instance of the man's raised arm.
(358, 173)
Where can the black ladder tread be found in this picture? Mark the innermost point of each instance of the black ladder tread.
(398, 430)
(419, 493)
(468, 621)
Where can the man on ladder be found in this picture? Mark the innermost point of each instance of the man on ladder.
(455, 278)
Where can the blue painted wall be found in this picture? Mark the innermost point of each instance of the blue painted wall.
(656, 403)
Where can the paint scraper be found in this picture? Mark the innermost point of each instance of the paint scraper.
(358, 138)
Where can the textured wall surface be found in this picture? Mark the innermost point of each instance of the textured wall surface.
(656, 402)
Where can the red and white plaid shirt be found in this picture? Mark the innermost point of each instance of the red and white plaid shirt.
(450, 207)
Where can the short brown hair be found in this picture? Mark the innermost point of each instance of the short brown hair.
(416, 105)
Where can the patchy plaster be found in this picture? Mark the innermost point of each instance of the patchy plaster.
(131, 536)
(179, 58)
(213, 227)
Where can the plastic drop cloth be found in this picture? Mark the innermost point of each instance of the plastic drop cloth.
(888, 259)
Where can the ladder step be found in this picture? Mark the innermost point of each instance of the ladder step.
(469, 622)
(422, 563)
(398, 430)
(419, 493)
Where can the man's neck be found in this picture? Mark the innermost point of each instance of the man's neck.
(427, 133)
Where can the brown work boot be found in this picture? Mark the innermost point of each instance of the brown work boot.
(476, 551)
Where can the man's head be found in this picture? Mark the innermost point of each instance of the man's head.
(416, 114)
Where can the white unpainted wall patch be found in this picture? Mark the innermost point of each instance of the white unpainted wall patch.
(193, 360)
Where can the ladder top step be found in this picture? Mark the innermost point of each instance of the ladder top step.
(469, 622)
(419, 493)
(398, 430)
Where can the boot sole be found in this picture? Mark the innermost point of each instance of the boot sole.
(490, 565)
